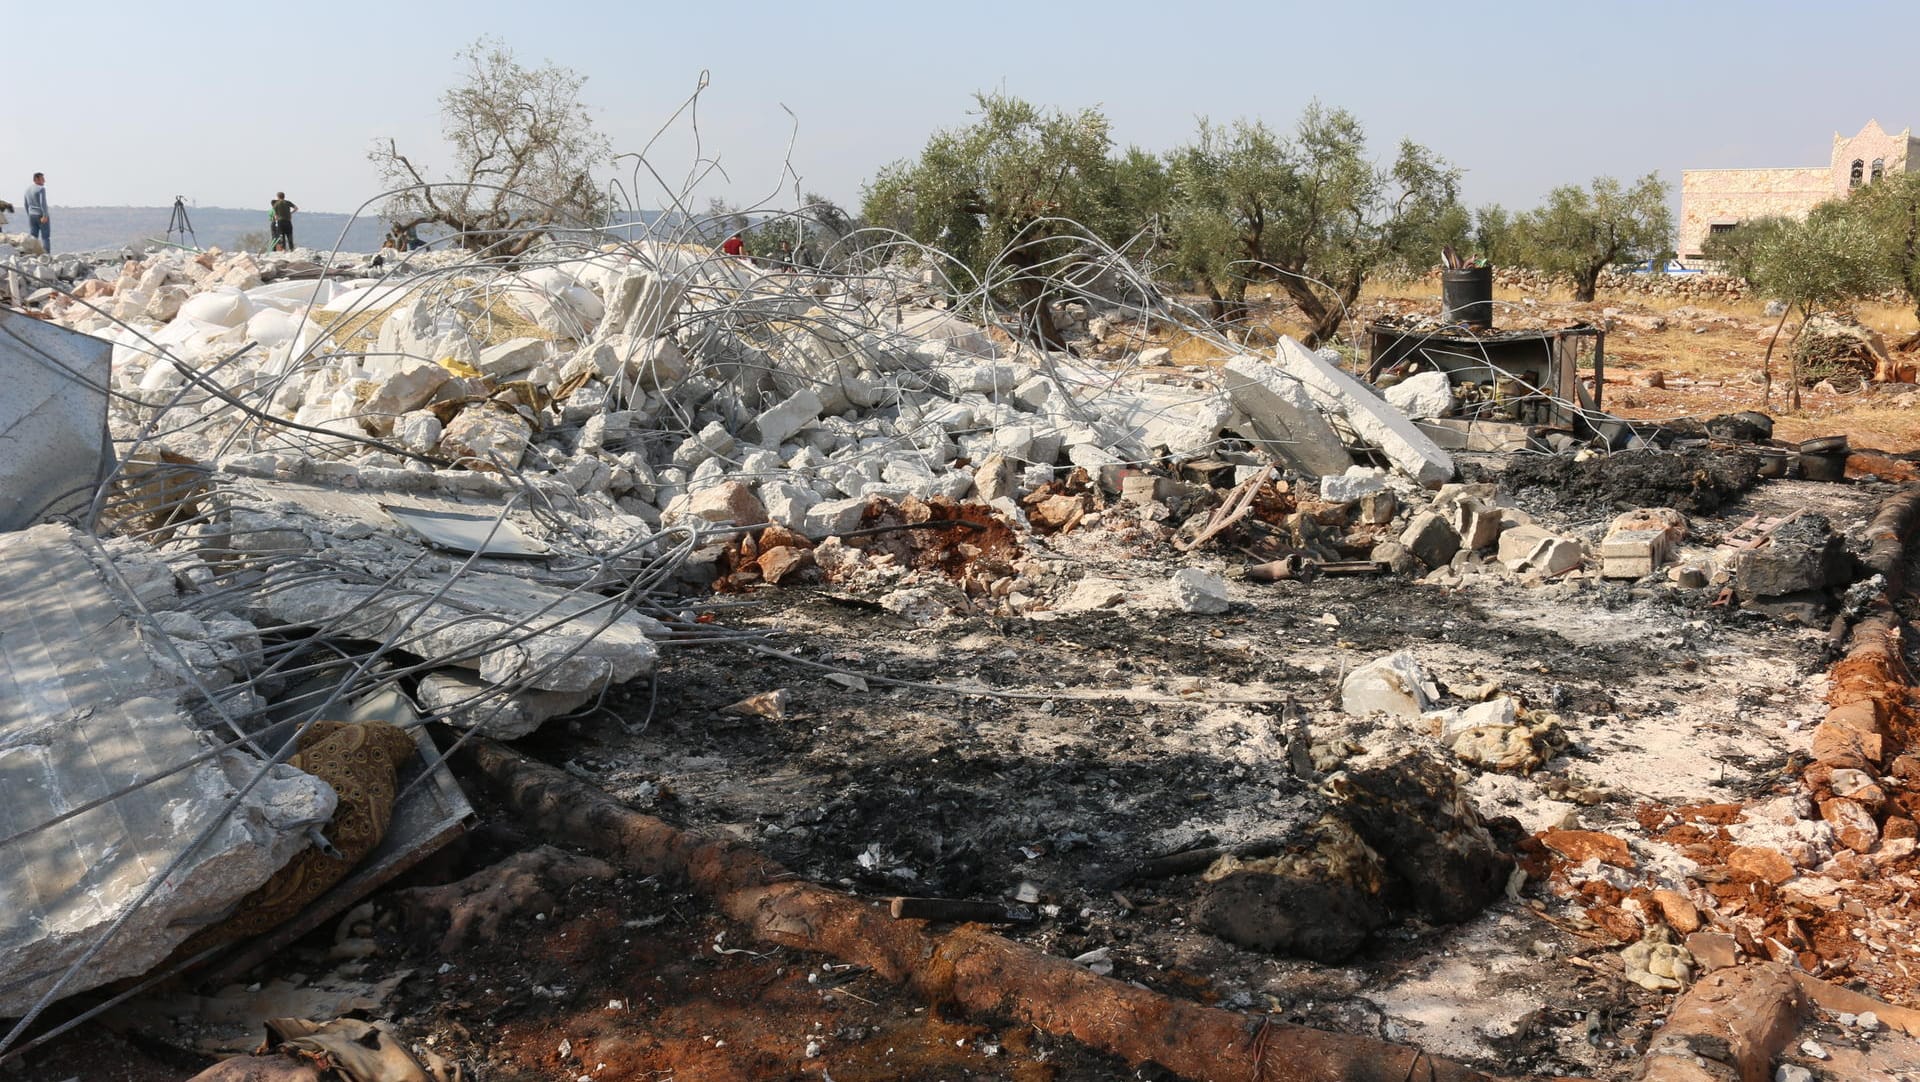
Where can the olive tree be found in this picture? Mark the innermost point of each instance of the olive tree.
(1580, 232)
(524, 150)
(1734, 250)
(1310, 211)
(1889, 209)
(1826, 261)
(1009, 197)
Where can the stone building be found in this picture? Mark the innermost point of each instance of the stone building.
(1712, 200)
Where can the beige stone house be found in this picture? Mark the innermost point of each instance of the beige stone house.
(1715, 199)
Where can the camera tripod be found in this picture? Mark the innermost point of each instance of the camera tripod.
(180, 224)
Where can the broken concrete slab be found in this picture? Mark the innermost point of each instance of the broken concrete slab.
(85, 712)
(511, 631)
(463, 701)
(1409, 449)
(53, 419)
(1283, 419)
(778, 424)
(512, 357)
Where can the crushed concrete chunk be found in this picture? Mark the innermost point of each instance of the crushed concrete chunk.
(1422, 397)
(1395, 684)
(1200, 591)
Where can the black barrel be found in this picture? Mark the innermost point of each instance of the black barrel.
(1467, 296)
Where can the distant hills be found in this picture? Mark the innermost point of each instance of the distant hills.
(83, 229)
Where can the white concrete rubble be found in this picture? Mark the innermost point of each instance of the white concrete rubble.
(1408, 448)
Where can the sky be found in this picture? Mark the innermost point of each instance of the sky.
(133, 103)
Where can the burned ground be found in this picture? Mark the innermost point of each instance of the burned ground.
(1696, 482)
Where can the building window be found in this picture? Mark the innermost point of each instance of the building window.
(1859, 168)
(1718, 228)
(1879, 168)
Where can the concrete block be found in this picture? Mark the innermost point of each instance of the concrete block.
(1198, 591)
(512, 357)
(1103, 466)
(409, 388)
(1282, 418)
(993, 478)
(1555, 556)
(777, 425)
(1431, 539)
(486, 438)
(1410, 450)
(1377, 509)
(787, 504)
(725, 503)
(1427, 395)
(712, 440)
(831, 518)
(1358, 481)
(1631, 554)
(1034, 393)
(1477, 524)
(1518, 543)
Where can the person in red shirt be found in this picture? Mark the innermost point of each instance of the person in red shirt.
(734, 246)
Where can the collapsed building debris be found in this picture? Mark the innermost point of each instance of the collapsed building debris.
(492, 501)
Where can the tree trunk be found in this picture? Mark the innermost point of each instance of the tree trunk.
(966, 967)
(1320, 320)
(1216, 304)
(1793, 350)
(1033, 310)
(1585, 284)
(1766, 366)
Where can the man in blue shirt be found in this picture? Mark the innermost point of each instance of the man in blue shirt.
(36, 208)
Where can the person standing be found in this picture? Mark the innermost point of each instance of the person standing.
(39, 226)
(282, 213)
(735, 246)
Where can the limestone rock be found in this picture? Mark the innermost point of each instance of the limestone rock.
(512, 357)
(728, 503)
(486, 438)
(1431, 539)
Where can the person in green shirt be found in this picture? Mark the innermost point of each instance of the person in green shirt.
(280, 218)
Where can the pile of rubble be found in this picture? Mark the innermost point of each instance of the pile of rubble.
(505, 485)
(340, 494)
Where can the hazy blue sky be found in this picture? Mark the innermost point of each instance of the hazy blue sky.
(133, 103)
